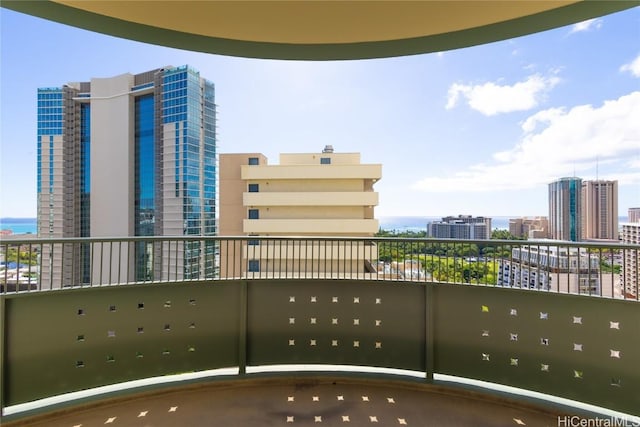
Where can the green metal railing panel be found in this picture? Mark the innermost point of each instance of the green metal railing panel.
(576, 347)
(59, 342)
(337, 322)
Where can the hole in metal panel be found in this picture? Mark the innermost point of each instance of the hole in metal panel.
(513, 337)
(80, 338)
(81, 312)
(615, 354)
(616, 382)
(577, 374)
(111, 359)
(486, 357)
(544, 341)
(192, 301)
(513, 312)
(140, 330)
(139, 355)
(485, 333)
(111, 334)
(79, 364)
(191, 349)
(166, 352)
(292, 299)
(513, 362)
(167, 327)
(140, 305)
(544, 367)
(614, 325)
(112, 308)
(544, 316)
(577, 347)
(192, 325)
(292, 320)
(577, 320)
(167, 304)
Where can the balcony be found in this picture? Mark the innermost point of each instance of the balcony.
(335, 198)
(88, 320)
(302, 172)
(306, 226)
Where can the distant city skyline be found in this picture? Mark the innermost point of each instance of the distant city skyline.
(475, 131)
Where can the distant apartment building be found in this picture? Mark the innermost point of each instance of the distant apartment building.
(130, 155)
(599, 210)
(532, 228)
(461, 227)
(634, 215)
(312, 194)
(630, 269)
(546, 267)
(565, 214)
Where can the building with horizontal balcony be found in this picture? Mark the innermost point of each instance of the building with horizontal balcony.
(130, 155)
(546, 267)
(529, 227)
(599, 210)
(461, 227)
(629, 273)
(634, 214)
(313, 194)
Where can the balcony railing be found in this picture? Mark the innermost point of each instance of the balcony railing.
(562, 267)
(544, 317)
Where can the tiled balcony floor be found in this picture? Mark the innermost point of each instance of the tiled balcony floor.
(303, 402)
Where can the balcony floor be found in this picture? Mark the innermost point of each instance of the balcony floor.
(303, 402)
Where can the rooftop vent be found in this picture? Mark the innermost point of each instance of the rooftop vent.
(328, 149)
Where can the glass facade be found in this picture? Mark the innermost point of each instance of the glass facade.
(145, 184)
(85, 189)
(174, 108)
(188, 103)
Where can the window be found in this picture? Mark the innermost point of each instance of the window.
(254, 161)
(325, 160)
(254, 188)
(254, 265)
(254, 214)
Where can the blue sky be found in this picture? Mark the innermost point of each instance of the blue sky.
(478, 131)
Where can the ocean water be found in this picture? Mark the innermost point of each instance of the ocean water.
(19, 225)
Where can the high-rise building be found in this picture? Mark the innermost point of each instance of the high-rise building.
(533, 228)
(130, 155)
(600, 210)
(565, 203)
(314, 194)
(634, 214)
(461, 227)
(630, 269)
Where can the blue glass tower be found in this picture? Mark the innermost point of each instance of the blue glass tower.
(565, 209)
(131, 155)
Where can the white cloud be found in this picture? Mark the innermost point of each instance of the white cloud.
(557, 142)
(587, 25)
(633, 67)
(491, 98)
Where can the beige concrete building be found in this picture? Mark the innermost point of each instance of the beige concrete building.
(634, 214)
(533, 228)
(312, 194)
(599, 210)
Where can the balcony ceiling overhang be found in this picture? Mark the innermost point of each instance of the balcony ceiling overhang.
(318, 29)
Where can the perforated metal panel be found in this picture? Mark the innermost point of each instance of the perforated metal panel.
(58, 342)
(337, 322)
(581, 348)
